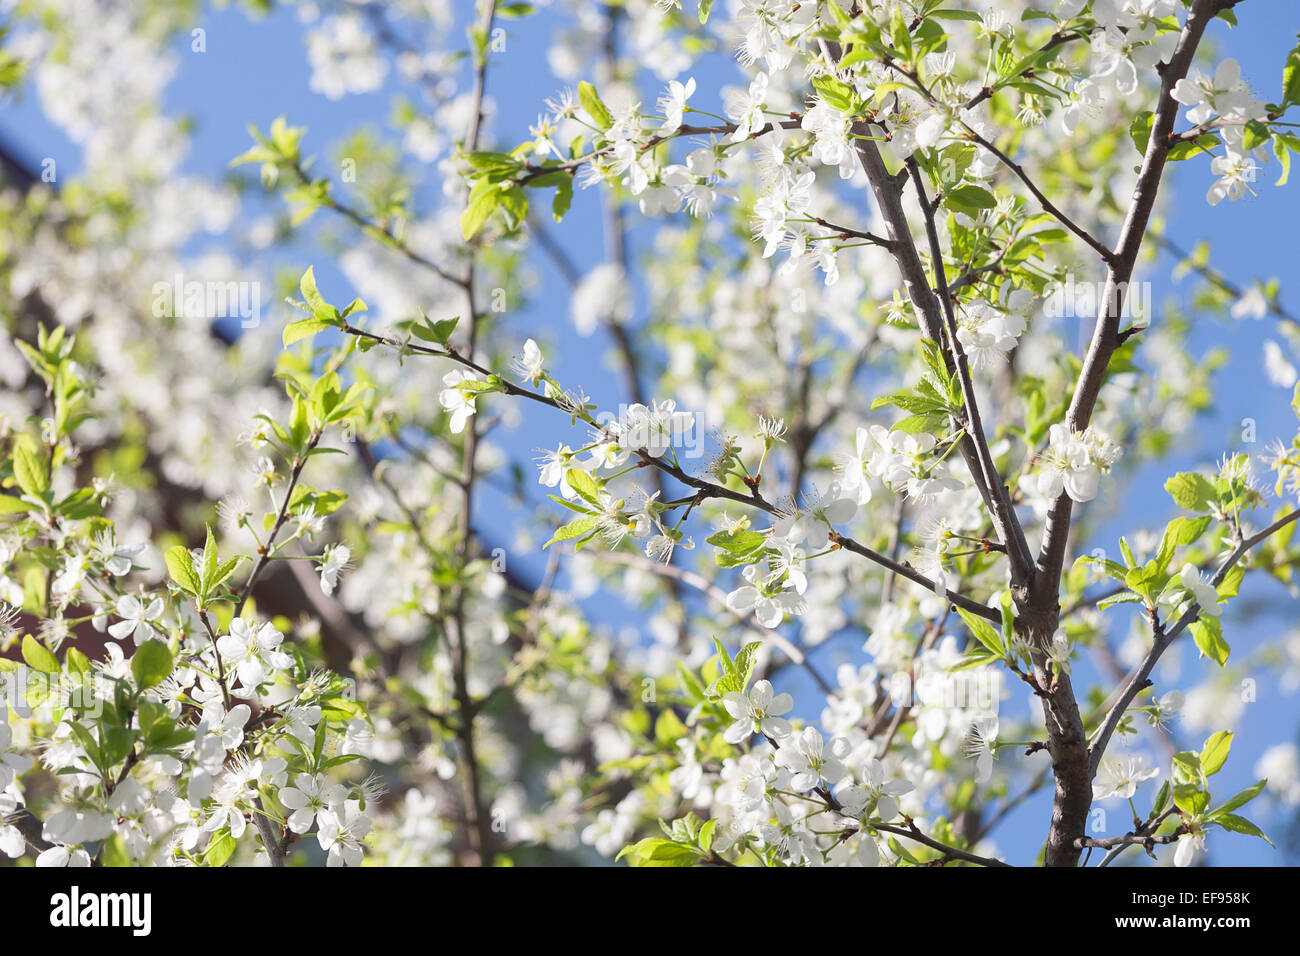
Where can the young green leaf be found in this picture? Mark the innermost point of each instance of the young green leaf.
(38, 657)
(151, 664)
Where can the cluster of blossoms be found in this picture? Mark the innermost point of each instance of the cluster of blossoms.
(1224, 100)
(900, 460)
(793, 540)
(775, 594)
(1074, 463)
(989, 333)
(793, 796)
(163, 766)
(243, 729)
(183, 727)
(627, 154)
(854, 789)
(1130, 39)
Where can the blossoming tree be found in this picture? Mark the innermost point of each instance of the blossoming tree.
(852, 262)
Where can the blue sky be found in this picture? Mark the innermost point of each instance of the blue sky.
(254, 71)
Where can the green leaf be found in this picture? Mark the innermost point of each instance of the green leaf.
(310, 295)
(1146, 580)
(38, 657)
(900, 36)
(1241, 799)
(438, 332)
(582, 483)
(1192, 492)
(225, 569)
(116, 744)
(592, 103)
(303, 329)
(655, 851)
(180, 565)
(1256, 134)
(79, 505)
(481, 207)
(78, 663)
(1112, 569)
(1215, 752)
(220, 850)
(1140, 130)
(563, 198)
(151, 664)
(574, 529)
(742, 541)
(495, 163)
(983, 631)
(1161, 801)
(1191, 799)
(514, 202)
(1282, 148)
(210, 559)
(737, 548)
(1291, 77)
(87, 742)
(739, 670)
(113, 853)
(1207, 632)
(9, 505)
(30, 469)
(1230, 821)
(705, 838)
(693, 686)
(969, 199)
(1231, 582)
(1187, 767)
(978, 658)
(836, 93)
(724, 658)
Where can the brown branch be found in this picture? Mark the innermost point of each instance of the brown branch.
(1040, 608)
(1142, 831)
(912, 832)
(1049, 207)
(1129, 839)
(999, 500)
(1139, 678)
(458, 639)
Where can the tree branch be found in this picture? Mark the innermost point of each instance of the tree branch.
(912, 832)
(929, 313)
(704, 489)
(1000, 502)
(1105, 338)
(1140, 676)
(1040, 608)
(1049, 207)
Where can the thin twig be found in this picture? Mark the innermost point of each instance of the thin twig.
(1139, 678)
